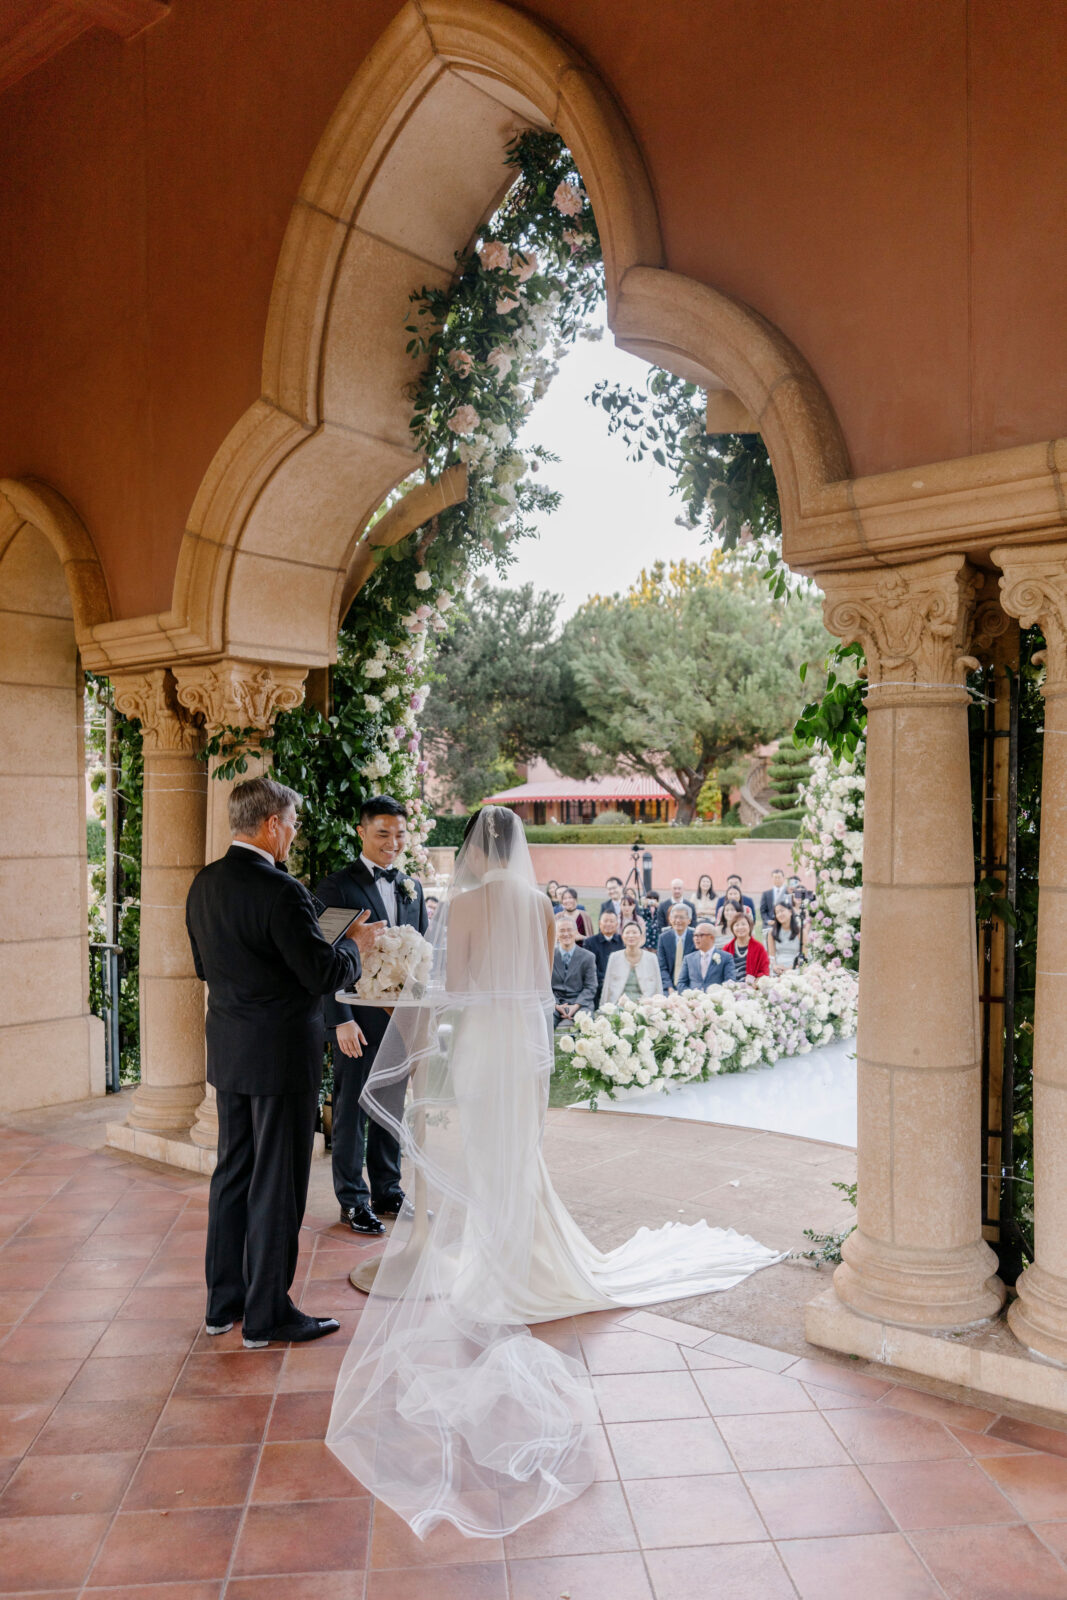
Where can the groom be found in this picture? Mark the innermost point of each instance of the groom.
(370, 884)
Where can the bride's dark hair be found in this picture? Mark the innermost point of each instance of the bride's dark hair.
(507, 821)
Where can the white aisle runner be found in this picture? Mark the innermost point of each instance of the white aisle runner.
(812, 1096)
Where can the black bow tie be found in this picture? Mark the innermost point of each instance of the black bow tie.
(388, 873)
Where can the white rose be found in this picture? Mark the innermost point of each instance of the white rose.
(423, 579)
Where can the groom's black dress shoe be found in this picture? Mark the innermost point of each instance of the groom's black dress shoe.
(299, 1331)
(391, 1205)
(361, 1220)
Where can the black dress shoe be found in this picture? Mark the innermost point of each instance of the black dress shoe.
(391, 1205)
(302, 1329)
(361, 1220)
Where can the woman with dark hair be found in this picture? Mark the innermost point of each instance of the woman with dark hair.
(649, 912)
(786, 938)
(568, 899)
(705, 898)
(724, 923)
(750, 957)
(552, 891)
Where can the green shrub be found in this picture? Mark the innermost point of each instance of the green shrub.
(94, 840)
(788, 769)
(448, 831)
(777, 828)
(731, 818)
(650, 833)
(611, 819)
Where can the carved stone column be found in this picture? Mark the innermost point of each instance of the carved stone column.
(917, 1257)
(1034, 589)
(172, 852)
(234, 695)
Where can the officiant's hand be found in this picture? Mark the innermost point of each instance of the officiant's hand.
(363, 933)
(350, 1038)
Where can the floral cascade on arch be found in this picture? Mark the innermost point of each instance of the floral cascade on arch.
(693, 1036)
(489, 344)
(830, 843)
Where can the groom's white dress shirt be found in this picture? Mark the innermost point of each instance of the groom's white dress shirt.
(386, 890)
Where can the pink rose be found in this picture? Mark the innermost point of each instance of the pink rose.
(460, 362)
(524, 266)
(499, 361)
(413, 744)
(494, 256)
(464, 420)
(421, 767)
(423, 611)
(568, 199)
(504, 304)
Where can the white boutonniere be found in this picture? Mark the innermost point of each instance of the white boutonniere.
(406, 887)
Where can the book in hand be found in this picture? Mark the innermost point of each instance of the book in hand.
(334, 922)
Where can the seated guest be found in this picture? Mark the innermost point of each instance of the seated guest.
(552, 891)
(630, 911)
(432, 906)
(632, 971)
(706, 966)
(573, 974)
(734, 880)
(649, 910)
(604, 944)
(775, 895)
(568, 899)
(613, 886)
(724, 923)
(704, 904)
(750, 957)
(675, 898)
(787, 938)
(675, 943)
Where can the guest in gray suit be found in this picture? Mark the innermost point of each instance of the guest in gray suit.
(706, 966)
(574, 975)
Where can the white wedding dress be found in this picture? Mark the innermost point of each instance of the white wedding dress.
(446, 1407)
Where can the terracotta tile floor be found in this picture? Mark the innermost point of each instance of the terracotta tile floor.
(138, 1458)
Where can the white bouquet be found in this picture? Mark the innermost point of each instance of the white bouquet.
(399, 955)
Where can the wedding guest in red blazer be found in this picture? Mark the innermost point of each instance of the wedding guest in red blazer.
(751, 960)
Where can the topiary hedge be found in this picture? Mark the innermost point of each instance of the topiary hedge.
(658, 833)
(777, 828)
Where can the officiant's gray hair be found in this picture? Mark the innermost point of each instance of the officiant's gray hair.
(256, 799)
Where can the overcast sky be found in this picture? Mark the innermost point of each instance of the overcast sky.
(617, 516)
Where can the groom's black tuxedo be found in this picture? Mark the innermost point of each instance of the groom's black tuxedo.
(354, 887)
(256, 943)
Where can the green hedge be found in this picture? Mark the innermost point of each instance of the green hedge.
(777, 828)
(648, 833)
(449, 831)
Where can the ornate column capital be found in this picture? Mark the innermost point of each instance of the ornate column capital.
(1033, 587)
(150, 697)
(913, 621)
(239, 694)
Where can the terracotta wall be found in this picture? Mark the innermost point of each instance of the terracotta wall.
(883, 181)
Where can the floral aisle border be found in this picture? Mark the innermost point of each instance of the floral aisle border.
(693, 1036)
(830, 844)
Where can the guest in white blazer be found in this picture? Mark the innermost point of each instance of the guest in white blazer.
(632, 971)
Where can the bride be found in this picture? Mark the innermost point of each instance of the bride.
(446, 1407)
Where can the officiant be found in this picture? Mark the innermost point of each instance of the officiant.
(371, 883)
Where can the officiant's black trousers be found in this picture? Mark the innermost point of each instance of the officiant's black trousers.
(256, 1205)
(354, 1132)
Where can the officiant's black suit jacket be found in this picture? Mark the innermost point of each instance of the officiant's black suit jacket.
(353, 886)
(256, 943)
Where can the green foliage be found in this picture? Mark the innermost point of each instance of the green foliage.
(827, 1246)
(684, 674)
(776, 828)
(611, 819)
(723, 480)
(838, 718)
(500, 691)
(94, 841)
(788, 769)
(448, 830)
(650, 833)
(129, 824)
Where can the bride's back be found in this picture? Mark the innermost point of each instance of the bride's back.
(500, 933)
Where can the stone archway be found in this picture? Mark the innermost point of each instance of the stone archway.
(51, 1047)
(410, 165)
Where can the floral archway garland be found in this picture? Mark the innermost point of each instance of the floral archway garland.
(490, 346)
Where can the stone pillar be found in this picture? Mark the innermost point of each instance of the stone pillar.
(172, 852)
(1034, 589)
(239, 696)
(917, 1257)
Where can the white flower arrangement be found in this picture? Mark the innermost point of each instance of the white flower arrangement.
(400, 955)
(830, 843)
(692, 1036)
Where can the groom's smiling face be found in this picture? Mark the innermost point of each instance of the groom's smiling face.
(383, 839)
